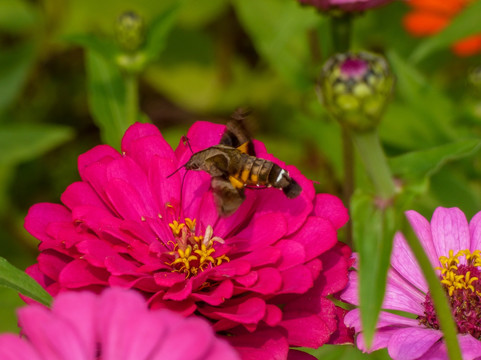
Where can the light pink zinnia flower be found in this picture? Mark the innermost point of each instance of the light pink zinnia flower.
(453, 247)
(261, 275)
(114, 325)
(345, 5)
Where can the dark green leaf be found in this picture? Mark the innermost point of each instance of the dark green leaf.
(17, 15)
(101, 46)
(434, 108)
(106, 95)
(15, 64)
(279, 29)
(21, 143)
(417, 165)
(346, 352)
(464, 24)
(159, 30)
(18, 280)
(373, 233)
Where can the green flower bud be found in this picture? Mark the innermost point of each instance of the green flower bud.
(355, 88)
(130, 31)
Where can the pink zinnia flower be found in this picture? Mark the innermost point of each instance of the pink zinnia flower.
(345, 5)
(453, 246)
(115, 325)
(261, 275)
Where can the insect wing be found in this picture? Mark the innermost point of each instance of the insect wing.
(237, 136)
(227, 198)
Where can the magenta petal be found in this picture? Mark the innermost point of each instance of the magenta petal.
(217, 296)
(79, 273)
(412, 343)
(81, 193)
(296, 280)
(40, 215)
(261, 231)
(164, 191)
(168, 279)
(296, 324)
(119, 312)
(143, 150)
(293, 253)
(188, 331)
(475, 232)
(97, 154)
(317, 235)
(402, 296)
(402, 259)
(12, 347)
(135, 132)
(83, 317)
(422, 228)
(269, 281)
(331, 208)
(179, 291)
(42, 328)
(262, 345)
(380, 341)
(450, 231)
(250, 311)
(470, 347)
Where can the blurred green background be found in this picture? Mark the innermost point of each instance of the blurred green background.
(217, 55)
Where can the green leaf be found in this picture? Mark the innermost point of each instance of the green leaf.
(21, 143)
(464, 24)
(101, 46)
(15, 64)
(373, 232)
(17, 15)
(159, 29)
(106, 96)
(18, 280)
(434, 108)
(417, 165)
(279, 30)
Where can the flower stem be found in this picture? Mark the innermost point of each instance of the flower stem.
(131, 98)
(341, 26)
(438, 296)
(375, 162)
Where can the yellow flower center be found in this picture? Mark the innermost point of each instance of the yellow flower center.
(193, 253)
(452, 275)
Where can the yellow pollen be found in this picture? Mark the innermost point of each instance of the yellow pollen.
(449, 266)
(193, 253)
(190, 224)
(176, 227)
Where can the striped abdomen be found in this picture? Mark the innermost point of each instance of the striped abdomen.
(255, 171)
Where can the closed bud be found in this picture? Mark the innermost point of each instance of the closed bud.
(130, 31)
(355, 88)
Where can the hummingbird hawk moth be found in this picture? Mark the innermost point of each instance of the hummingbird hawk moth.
(233, 166)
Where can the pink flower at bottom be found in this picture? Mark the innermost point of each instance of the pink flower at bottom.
(261, 276)
(453, 247)
(345, 5)
(116, 325)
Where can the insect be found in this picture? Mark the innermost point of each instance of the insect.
(233, 166)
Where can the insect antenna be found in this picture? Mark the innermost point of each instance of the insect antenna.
(185, 140)
(175, 171)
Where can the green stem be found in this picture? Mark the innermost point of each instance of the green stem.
(341, 26)
(375, 162)
(443, 312)
(131, 98)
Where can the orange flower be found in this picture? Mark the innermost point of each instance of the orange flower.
(429, 17)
